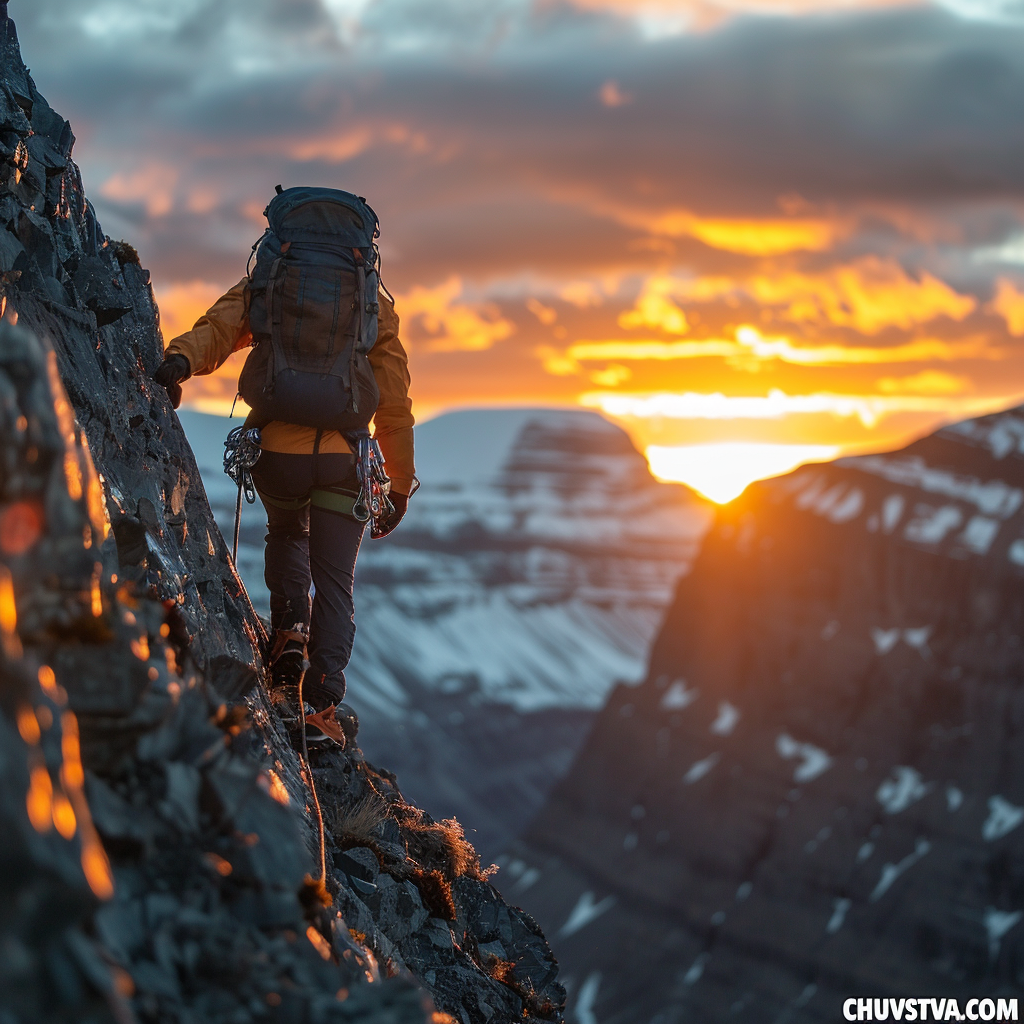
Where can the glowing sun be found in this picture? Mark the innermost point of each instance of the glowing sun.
(722, 471)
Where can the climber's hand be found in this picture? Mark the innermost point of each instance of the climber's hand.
(401, 503)
(170, 373)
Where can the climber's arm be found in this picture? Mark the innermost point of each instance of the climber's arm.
(393, 421)
(223, 329)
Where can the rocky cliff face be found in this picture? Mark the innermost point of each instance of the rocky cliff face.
(163, 858)
(818, 790)
(530, 576)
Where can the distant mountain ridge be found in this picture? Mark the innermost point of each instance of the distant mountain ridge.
(818, 791)
(530, 576)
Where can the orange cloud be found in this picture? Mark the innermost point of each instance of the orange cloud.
(641, 350)
(751, 344)
(927, 382)
(337, 149)
(581, 294)
(202, 199)
(1009, 304)
(654, 308)
(612, 96)
(558, 363)
(867, 295)
(453, 326)
(153, 185)
(747, 236)
(545, 314)
(753, 237)
(343, 146)
(612, 376)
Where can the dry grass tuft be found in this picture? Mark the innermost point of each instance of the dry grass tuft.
(354, 825)
(436, 892)
(440, 845)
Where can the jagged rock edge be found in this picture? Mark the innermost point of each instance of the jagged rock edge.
(196, 626)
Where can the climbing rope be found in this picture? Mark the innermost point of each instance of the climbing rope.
(308, 772)
(241, 452)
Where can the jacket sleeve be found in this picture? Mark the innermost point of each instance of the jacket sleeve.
(223, 329)
(393, 421)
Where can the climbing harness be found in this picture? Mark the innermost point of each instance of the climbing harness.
(241, 452)
(373, 503)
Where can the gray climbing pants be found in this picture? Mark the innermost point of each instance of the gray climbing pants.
(310, 540)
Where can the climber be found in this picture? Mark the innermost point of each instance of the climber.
(325, 346)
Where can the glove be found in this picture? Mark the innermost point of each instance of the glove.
(401, 503)
(170, 373)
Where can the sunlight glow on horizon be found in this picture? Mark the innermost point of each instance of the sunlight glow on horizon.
(668, 17)
(777, 404)
(723, 471)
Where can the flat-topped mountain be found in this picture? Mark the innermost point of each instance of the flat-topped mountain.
(530, 575)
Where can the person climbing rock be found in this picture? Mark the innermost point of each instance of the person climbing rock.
(326, 360)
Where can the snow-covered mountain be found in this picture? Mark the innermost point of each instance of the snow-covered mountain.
(817, 792)
(529, 577)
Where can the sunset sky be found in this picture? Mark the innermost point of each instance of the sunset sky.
(790, 222)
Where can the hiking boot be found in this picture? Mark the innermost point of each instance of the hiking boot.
(348, 720)
(322, 728)
(288, 657)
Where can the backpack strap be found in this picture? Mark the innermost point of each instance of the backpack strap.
(279, 361)
(274, 313)
(360, 312)
(334, 319)
(359, 307)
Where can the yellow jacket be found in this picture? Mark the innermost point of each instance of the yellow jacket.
(225, 329)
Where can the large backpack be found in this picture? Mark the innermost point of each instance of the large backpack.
(313, 312)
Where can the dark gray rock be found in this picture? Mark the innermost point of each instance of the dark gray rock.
(132, 679)
(398, 910)
(49, 968)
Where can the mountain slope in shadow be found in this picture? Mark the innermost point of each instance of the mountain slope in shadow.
(818, 791)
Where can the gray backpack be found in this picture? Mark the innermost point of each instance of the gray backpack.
(313, 312)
